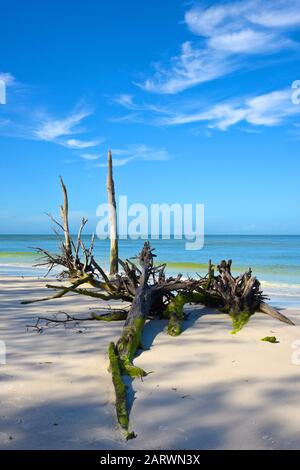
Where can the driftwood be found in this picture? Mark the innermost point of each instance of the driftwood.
(114, 255)
(106, 315)
(273, 312)
(239, 296)
(64, 212)
(150, 294)
(69, 258)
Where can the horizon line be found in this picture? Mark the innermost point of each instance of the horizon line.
(160, 235)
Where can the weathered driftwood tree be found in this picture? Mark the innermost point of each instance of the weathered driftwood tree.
(150, 294)
(114, 252)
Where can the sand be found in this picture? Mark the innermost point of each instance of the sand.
(208, 390)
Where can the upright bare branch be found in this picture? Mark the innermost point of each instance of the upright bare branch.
(112, 218)
(64, 212)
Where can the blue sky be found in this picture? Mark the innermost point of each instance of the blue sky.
(194, 98)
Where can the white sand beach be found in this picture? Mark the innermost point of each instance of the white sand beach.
(208, 390)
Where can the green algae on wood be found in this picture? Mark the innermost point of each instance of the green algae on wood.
(109, 317)
(120, 391)
(129, 369)
(131, 338)
(175, 313)
(239, 321)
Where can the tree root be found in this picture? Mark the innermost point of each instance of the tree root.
(175, 313)
(62, 291)
(120, 391)
(129, 369)
(175, 309)
(109, 317)
(87, 292)
(272, 312)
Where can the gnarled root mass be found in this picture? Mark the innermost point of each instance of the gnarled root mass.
(239, 296)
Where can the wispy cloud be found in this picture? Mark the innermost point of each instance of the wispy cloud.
(192, 67)
(221, 18)
(137, 152)
(127, 118)
(80, 144)
(38, 124)
(4, 122)
(51, 129)
(90, 156)
(137, 110)
(269, 109)
(227, 34)
(119, 161)
(60, 131)
(128, 102)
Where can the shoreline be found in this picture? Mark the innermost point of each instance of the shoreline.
(208, 390)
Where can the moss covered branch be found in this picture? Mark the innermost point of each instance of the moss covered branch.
(120, 391)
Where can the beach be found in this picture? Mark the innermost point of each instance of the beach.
(208, 389)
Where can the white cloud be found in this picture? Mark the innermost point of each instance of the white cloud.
(28, 122)
(118, 162)
(60, 131)
(228, 32)
(191, 67)
(237, 15)
(137, 152)
(51, 129)
(4, 122)
(128, 118)
(127, 102)
(245, 41)
(276, 14)
(269, 109)
(144, 152)
(90, 156)
(136, 109)
(80, 144)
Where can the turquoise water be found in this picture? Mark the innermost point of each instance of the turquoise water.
(275, 260)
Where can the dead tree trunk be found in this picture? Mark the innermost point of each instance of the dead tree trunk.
(152, 292)
(121, 355)
(112, 218)
(64, 212)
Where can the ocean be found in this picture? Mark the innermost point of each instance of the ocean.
(275, 260)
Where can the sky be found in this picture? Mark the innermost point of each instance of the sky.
(193, 98)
